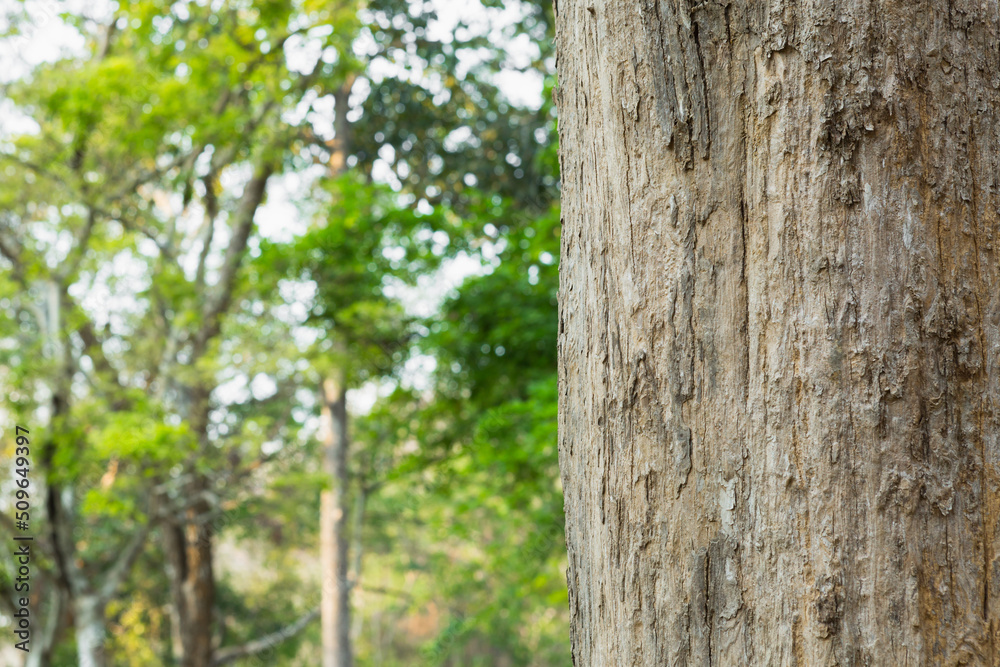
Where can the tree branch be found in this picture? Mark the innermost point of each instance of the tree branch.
(79, 249)
(116, 574)
(38, 169)
(232, 653)
(93, 347)
(207, 234)
(10, 249)
(219, 302)
(144, 178)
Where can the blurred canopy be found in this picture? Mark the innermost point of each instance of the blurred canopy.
(210, 206)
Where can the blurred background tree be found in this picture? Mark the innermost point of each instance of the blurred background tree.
(209, 208)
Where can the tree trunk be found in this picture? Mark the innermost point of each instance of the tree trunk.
(174, 556)
(88, 613)
(335, 604)
(355, 550)
(187, 545)
(42, 647)
(72, 585)
(335, 610)
(780, 331)
(199, 587)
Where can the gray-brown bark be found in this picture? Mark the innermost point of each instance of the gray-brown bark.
(187, 544)
(188, 539)
(335, 603)
(780, 331)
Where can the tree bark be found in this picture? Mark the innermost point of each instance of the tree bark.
(780, 331)
(335, 609)
(42, 648)
(72, 584)
(88, 613)
(199, 586)
(188, 540)
(188, 545)
(335, 604)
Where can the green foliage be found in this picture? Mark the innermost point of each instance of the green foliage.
(141, 436)
(127, 198)
(364, 238)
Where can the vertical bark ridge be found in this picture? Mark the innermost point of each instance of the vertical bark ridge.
(780, 331)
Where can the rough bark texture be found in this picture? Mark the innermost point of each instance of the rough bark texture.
(780, 331)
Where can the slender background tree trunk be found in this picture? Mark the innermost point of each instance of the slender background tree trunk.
(780, 331)
(335, 609)
(335, 605)
(88, 611)
(51, 623)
